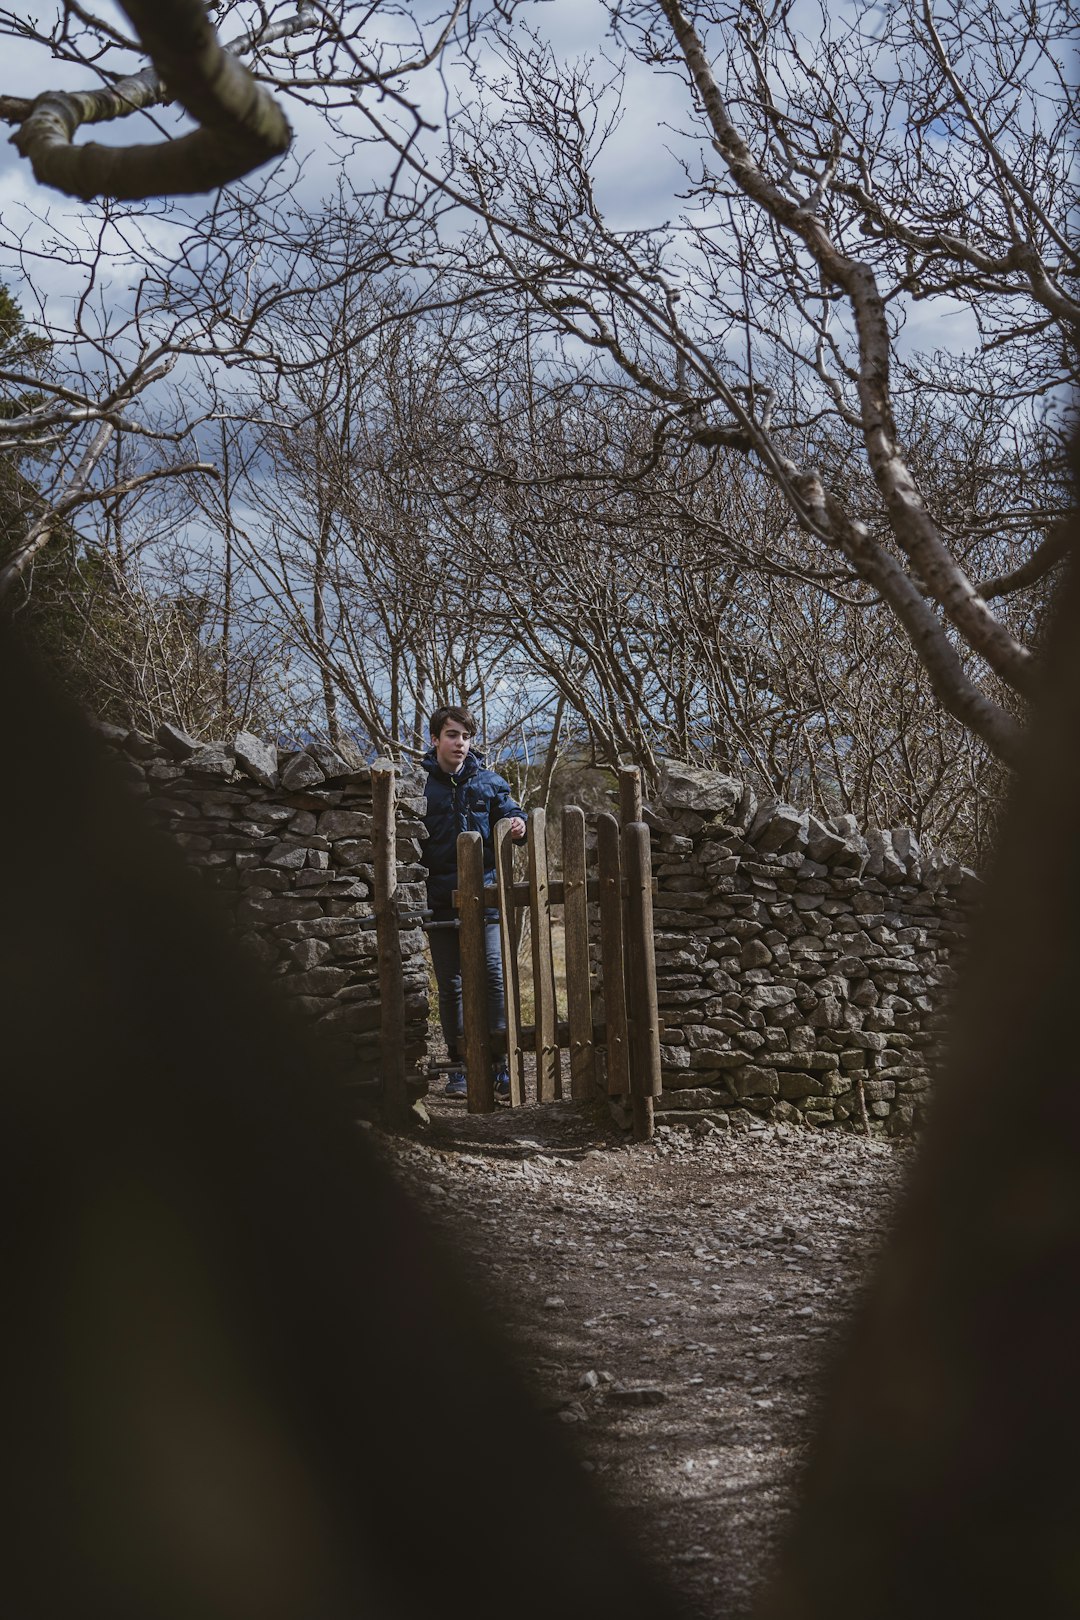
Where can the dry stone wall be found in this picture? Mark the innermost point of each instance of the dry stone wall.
(283, 840)
(803, 964)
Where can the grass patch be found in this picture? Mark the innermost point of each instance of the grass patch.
(525, 979)
(525, 970)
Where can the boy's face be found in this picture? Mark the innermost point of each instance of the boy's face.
(451, 746)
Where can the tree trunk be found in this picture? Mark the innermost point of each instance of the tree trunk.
(945, 1479)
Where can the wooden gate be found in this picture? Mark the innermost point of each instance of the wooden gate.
(618, 1054)
(617, 900)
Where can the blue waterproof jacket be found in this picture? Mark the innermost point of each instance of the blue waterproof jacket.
(472, 801)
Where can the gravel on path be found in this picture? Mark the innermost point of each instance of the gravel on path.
(672, 1302)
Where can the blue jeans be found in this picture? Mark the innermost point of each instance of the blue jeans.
(445, 946)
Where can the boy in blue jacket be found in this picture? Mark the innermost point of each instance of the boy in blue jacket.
(463, 796)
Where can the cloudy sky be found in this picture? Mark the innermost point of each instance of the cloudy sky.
(639, 173)
(638, 178)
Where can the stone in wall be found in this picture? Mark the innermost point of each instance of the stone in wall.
(802, 962)
(283, 842)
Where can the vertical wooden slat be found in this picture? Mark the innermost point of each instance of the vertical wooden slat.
(645, 1079)
(548, 1069)
(391, 976)
(609, 858)
(508, 936)
(474, 990)
(578, 989)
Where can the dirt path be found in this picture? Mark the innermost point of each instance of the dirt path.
(673, 1302)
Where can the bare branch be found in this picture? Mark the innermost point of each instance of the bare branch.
(911, 522)
(241, 125)
(1053, 550)
(76, 493)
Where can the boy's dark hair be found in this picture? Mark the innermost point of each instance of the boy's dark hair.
(451, 712)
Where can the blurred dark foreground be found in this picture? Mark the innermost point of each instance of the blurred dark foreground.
(221, 1315)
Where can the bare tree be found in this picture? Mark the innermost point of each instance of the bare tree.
(123, 358)
(757, 342)
(359, 537)
(833, 183)
(668, 597)
(325, 50)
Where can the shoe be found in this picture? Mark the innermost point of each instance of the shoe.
(502, 1085)
(455, 1085)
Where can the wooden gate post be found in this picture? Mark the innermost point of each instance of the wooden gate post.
(548, 1066)
(629, 794)
(391, 974)
(609, 859)
(645, 1078)
(641, 1094)
(474, 981)
(508, 938)
(629, 812)
(578, 988)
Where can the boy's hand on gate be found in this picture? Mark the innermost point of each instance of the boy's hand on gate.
(517, 828)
